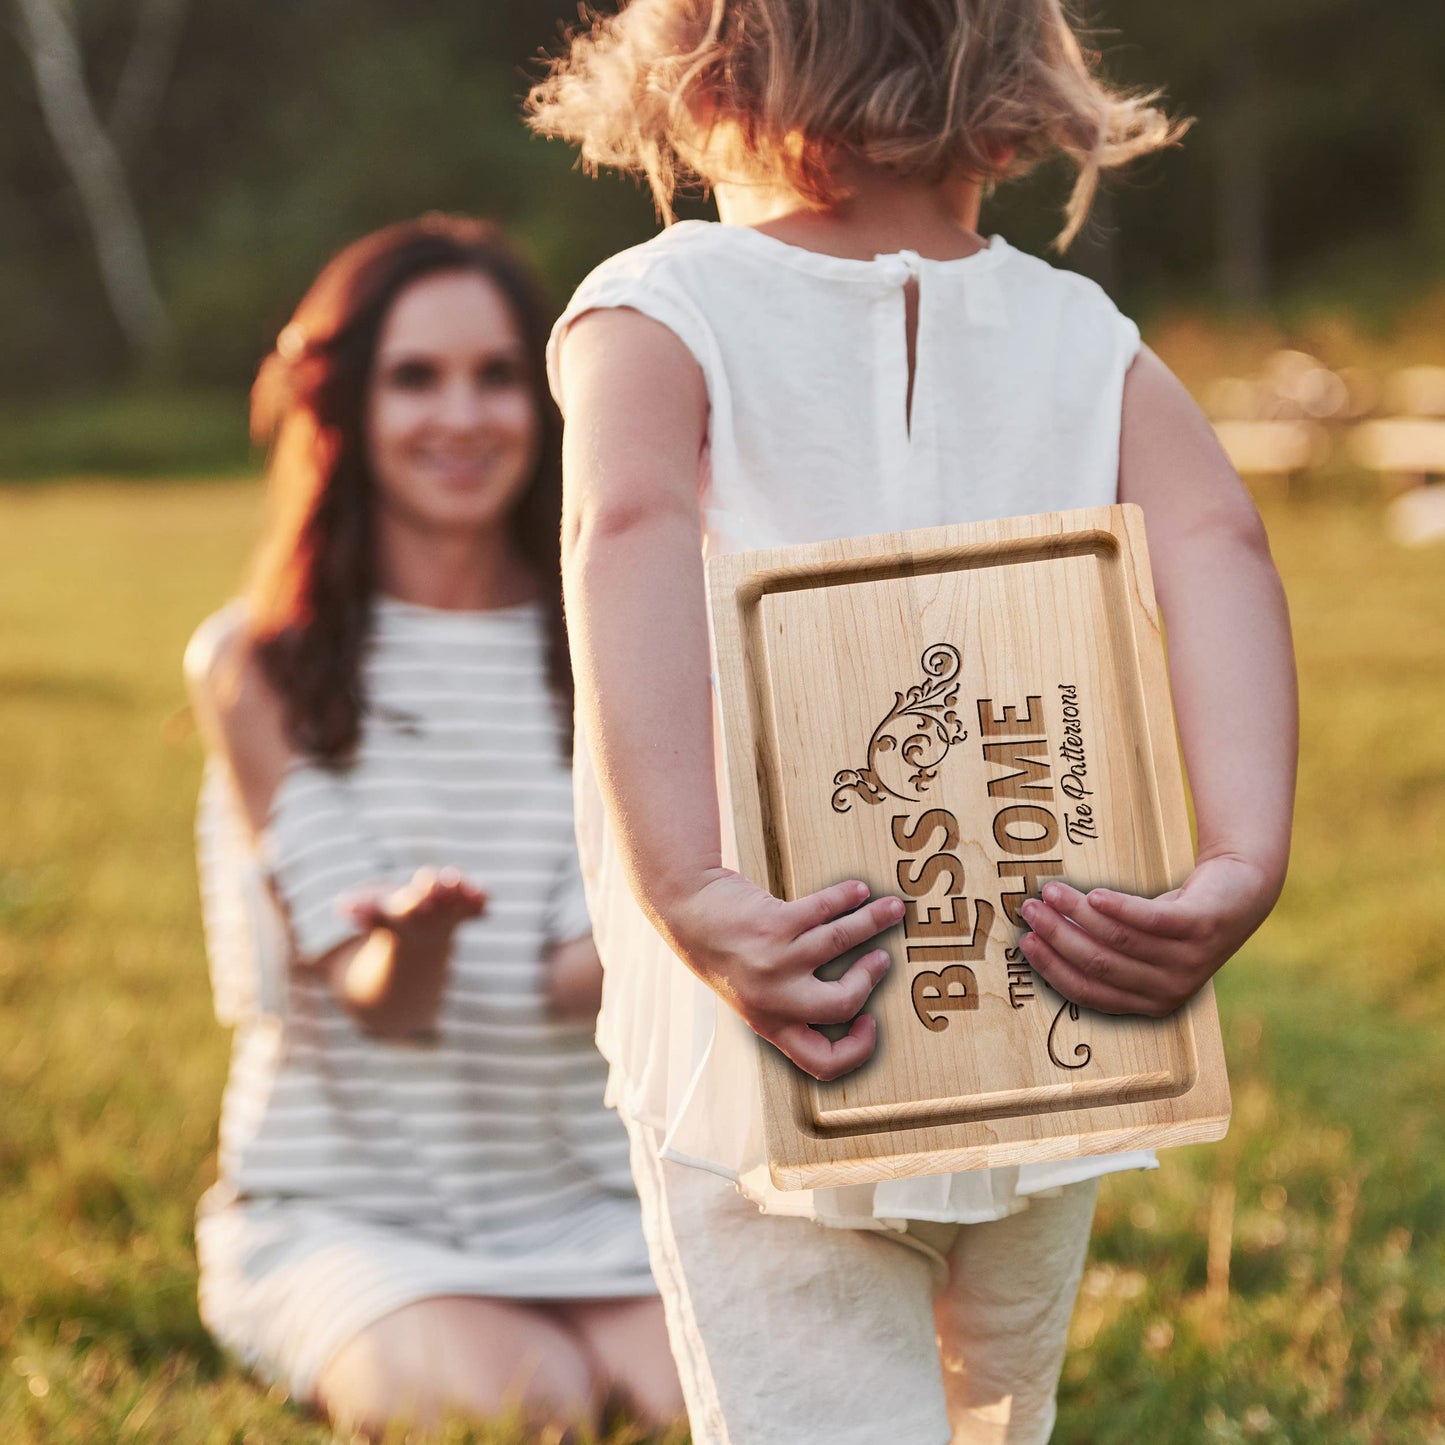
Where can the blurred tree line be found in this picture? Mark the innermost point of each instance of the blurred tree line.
(172, 173)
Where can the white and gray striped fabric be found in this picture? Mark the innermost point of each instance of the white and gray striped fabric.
(357, 1175)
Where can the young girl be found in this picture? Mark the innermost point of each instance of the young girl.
(844, 354)
(423, 1205)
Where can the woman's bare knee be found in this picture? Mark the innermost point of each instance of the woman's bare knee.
(372, 1378)
(455, 1355)
(627, 1339)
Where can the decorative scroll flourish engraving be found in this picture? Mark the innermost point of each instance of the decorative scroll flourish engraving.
(929, 709)
(1082, 1052)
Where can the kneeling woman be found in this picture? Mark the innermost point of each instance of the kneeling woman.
(423, 1204)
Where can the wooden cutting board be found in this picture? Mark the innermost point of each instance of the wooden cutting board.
(956, 715)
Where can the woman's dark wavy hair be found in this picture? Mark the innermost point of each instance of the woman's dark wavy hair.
(314, 577)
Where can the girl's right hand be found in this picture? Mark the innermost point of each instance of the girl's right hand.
(760, 954)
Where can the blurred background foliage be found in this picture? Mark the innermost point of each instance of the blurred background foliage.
(253, 140)
(286, 128)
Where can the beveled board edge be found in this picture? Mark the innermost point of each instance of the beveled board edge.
(734, 581)
(1115, 1138)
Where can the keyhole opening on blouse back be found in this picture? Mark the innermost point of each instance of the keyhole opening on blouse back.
(910, 331)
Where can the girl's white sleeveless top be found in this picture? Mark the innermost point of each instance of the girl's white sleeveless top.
(1018, 386)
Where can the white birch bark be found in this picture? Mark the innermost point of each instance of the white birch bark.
(96, 170)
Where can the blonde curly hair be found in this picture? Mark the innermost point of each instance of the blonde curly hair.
(689, 91)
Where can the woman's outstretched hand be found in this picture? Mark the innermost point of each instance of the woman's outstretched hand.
(435, 901)
(391, 981)
(760, 954)
(1121, 954)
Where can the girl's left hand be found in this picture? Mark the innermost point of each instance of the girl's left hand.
(1121, 954)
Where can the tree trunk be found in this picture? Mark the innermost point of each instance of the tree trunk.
(1241, 218)
(95, 168)
(147, 67)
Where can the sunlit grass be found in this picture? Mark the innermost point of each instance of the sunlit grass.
(1287, 1285)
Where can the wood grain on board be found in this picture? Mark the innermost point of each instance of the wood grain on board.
(956, 715)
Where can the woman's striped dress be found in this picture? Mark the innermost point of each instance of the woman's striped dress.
(358, 1175)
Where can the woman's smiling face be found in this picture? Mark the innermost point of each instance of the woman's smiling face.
(452, 430)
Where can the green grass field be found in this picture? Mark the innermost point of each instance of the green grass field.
(1287, 1285)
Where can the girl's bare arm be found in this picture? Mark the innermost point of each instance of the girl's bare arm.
(1232, 674)
(636, 410)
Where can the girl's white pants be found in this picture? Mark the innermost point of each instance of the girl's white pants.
(788, 1332)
